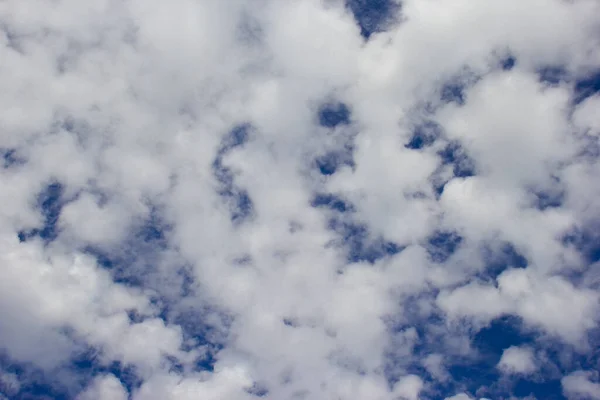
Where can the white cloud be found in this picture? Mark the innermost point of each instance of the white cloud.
(578, 385)
(517, 360)
(460, 396)
(541, 301)
(104, 388)
(124, 106)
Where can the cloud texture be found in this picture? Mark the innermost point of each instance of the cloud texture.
(299, 199)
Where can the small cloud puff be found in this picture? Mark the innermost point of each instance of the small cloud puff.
(518, 360)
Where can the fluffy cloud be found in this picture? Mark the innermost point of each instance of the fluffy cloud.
(578, 385)
(298, 199)
(519, 360)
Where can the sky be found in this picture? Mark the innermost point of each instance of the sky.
(300, 199)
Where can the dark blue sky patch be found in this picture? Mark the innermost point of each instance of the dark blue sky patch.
(103, 258)
(11, 158)
(586, 240)
(438, 183)
(359, 244)
(590, 147)
(559, 360)
(42, 389)
(462, 165)
(373, 16)
(125, 265)
(474, 377)
(331, 201)
(501, 334)
(87, 365)
(453, 92)
(50, 202)
(207, 361)
(258, 390)
(223, 174)
(587, 86)
(548, 390)
(329, 163)
(508, 63)
(241, 205)
(424, 135)
(334, 114)
(548, 199)
(237, 199)
(551, 196)
(135, 317)
(235, 138)
(442, 244)
(174, 366)
(552, 75)
(479, 375)
(154, 229)
(562, 359)
(498, 259)
(138, 261)
(188, 286)
(34, 383)
(203, 327)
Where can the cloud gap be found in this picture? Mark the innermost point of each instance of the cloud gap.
(508, 63)
(258, 390)
(550, 389)
(360, 245)
(355, 237)
(33, 383)
(463, 166)
(334, 114)
(502, 333)
(442, 244)
(11, 158)
(89, 365)
(500, 257)
(205, 328)
(329, 163)
(552, 75)
(332, 202)
(237, 199)
(373, 16)
(453, 92)
(424, 135)
(50, 202)
(587, 86)
(586, 240)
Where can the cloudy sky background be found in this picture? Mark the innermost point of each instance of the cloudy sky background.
(299, 199)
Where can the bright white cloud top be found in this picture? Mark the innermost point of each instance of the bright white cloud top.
(299, 199)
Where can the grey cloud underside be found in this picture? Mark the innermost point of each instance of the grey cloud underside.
(299, 200)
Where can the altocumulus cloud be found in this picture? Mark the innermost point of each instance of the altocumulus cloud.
(311, 199)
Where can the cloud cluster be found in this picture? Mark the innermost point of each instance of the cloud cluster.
(315, 199)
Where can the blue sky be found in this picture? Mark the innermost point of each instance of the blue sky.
(314, 199)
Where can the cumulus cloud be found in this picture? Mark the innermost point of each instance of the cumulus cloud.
(578, 385)
(299, 199)
(517, 360)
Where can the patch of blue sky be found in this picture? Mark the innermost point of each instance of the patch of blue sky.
(50, 202)
(373, 16)
(237, 199)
